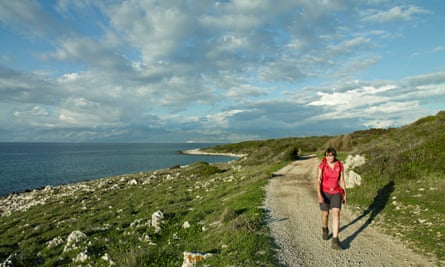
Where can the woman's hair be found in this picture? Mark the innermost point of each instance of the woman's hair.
(330, 150)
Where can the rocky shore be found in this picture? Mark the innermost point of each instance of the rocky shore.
(200, 152)
(22, 201)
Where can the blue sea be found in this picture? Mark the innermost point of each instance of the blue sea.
(27, 166)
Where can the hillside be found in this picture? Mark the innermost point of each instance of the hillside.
(153, 218)
(410, 160)
(403, 178)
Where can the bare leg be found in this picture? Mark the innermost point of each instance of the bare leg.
(335, 222)
(324, 219)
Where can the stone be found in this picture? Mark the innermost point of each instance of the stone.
(190, 258)
(157, 218)
(72, 240)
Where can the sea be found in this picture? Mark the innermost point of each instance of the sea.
(28, 166)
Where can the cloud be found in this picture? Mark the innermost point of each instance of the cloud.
(203, 70)
(86, 51)
(439, 49)
(393, 14)
(400, 100)
(28, 18)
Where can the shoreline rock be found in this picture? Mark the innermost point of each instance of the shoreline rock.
(197, 151)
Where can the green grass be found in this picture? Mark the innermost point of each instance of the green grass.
(412, 159)
(221, 202)
(402, 188)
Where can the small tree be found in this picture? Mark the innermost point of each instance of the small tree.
(293, 154)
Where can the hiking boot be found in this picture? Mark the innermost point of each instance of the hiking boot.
(325, 233)
(336, 244)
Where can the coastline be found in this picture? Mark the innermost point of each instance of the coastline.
(22, 201)
(78, 218)
(197, 151)
(32, 166)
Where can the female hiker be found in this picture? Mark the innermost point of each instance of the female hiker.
(331, 191)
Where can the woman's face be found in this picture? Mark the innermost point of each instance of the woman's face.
(330, 157)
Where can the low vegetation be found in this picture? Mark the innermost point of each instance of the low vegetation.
(217, 208)
(403, 178)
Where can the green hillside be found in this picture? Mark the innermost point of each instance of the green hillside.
(403, 179)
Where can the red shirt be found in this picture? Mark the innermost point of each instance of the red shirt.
(331, 177)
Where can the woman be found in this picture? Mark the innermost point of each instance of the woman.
(331, 191)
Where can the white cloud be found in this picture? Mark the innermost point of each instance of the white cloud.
(393, 14)
(226, 70)
(246, 90)
(220, 120)
(28, 18)
(39, 111)
(392, 107)
(380, 123)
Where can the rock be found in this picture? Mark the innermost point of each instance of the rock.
(72, 240)
(352, 178)
(107, 258)
(157, 218)
(190, 258)
(354, 161)
(132, 182)
(115, 186)
(81, 257)
(55, 242)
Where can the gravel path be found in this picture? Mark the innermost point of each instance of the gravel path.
(295, 222)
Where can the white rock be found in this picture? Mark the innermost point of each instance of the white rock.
(190, 258)
(114, 187)
(73, 238)
(352, 178)
(56, 241)
(354, 161)
(157, 218)
(136, 223)
(186, 225)
(81, 257)
(107, 258)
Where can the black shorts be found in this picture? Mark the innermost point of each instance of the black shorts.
(331, 201)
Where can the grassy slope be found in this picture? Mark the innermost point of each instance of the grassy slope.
(402, 188)
(403, 180)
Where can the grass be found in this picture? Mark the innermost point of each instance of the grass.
(222, 204)
(403, 187)
(411, 158)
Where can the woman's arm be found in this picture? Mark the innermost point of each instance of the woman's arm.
(319, 181)
(343, 185)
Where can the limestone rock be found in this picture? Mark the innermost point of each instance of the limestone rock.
(72, 240)
(190, 258)
(157, 218)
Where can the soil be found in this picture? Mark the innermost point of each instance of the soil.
(295, 223)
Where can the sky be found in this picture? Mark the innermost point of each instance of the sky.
(216, 71)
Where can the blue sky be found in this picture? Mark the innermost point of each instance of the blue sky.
(216, 71)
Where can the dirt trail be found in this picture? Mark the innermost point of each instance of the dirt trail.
(295, 223)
